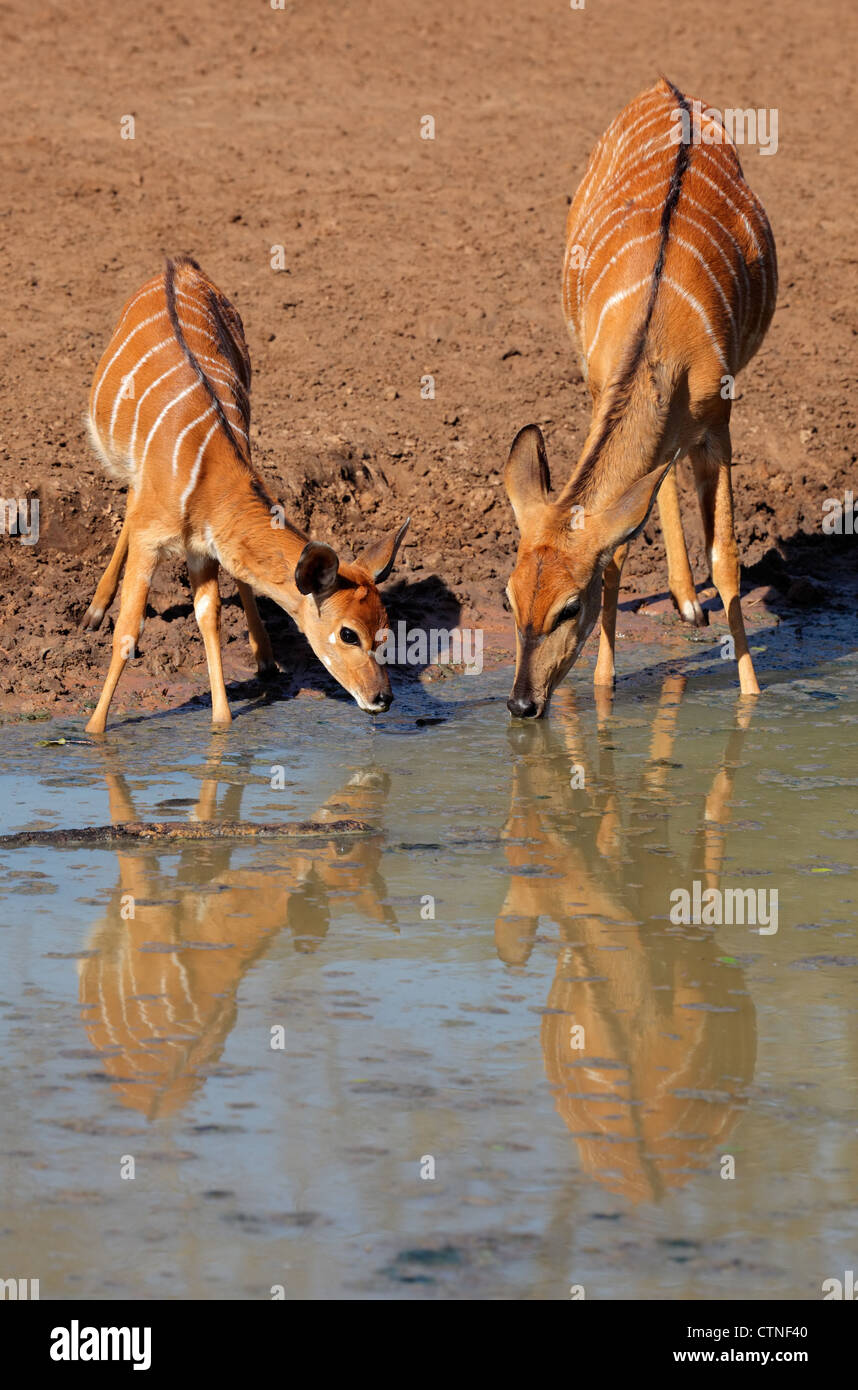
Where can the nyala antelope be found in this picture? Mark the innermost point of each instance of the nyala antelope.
(157, 1009)
(169, 415)
(633, 1039)
(669, 284)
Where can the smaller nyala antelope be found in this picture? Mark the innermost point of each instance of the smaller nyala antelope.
(169, 414)
(669, 284)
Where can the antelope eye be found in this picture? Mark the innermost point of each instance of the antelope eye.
(349, 636)
(571, 610)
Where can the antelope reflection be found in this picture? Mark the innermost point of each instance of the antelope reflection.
(669, 1035)
(158, 996)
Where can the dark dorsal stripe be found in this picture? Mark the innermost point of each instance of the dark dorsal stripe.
(233, 346)
(620, 387)
(683, 156)
(170, 293)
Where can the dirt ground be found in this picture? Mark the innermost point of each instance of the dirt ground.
(403, 257)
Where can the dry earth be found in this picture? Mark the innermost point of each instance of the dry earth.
(257, 127)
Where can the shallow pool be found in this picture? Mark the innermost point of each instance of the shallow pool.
(483, 1052)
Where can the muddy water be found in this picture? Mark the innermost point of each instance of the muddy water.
(492, 982)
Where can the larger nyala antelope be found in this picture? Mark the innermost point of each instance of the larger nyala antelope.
(669, 282)
(169, 414)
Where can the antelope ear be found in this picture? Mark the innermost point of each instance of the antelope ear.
(627, 517)
(317, 569)
(526, 477)
(378, 559)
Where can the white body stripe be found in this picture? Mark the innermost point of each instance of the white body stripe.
(195, 471)
(653, 189)
(162, 313)
(129, 376)
(646, 119)
(628, 176)
(649, 119)
(731, 269)
(157, 382)
(701, 312)
(141, 294)
(624, 214)
(626, 246)
(195, 384)
(180, 436)
(166, 374)
(613, 174)
(598, 226)
(606, 171)
(609, 304)
(698, 256)
(757, 248)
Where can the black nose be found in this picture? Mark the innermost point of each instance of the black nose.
(385, 699)
(521, 708)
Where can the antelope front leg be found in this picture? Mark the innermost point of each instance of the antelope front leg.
(711, 461)
(203, 572)
(260, 642)
(604, 674)
(679, 577)
(109, 581)
(142, 559)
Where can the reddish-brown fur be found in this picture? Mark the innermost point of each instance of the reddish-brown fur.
(157, 1009)
(170, 416)
(669, 285)
(631, 1039)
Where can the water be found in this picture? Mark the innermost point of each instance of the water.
(491, 982)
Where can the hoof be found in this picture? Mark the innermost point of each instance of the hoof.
(92, 619)
(691, 612)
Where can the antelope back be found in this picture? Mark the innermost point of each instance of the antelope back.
(666, 242)
(175, 374)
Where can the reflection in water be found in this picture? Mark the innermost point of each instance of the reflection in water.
(653, 1085)
(159, 993)
(302, 1167)
(649, 1039)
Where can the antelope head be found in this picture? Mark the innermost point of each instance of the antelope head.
(555, 590)
(341, 614)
